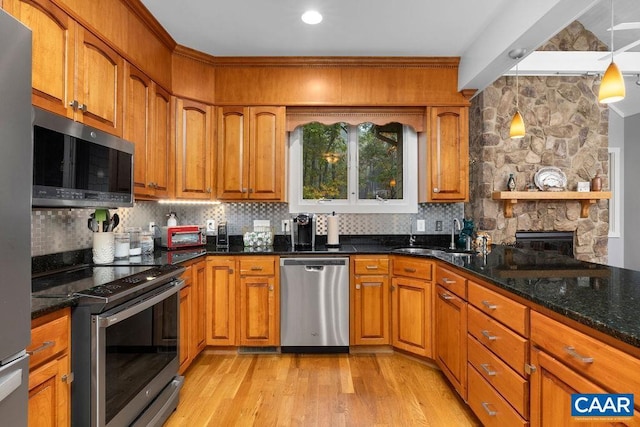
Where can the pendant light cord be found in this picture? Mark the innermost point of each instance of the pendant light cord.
(612, 48)
(517, 90)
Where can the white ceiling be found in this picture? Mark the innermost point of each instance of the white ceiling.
(480, 32)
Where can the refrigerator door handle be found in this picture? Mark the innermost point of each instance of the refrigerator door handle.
(10, 383)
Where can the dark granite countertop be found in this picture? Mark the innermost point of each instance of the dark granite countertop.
(601, 297)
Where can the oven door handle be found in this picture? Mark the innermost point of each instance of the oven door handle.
(110, 318)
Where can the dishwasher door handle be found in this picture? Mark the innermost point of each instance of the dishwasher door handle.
(314, 267)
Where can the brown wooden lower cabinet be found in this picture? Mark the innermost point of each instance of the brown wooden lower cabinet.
(220, 295)
(50, 373)
(451, 338)
(411, 314)
(259, 313)
(369, 300)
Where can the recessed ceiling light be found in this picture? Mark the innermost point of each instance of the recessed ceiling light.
(311, 17)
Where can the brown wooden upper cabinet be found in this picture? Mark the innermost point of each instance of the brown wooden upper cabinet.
(194, 150)
(75, 74)
(447, 155)
(147, 123)
(251, 153)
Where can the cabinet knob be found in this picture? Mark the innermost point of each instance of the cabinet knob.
(208, 189)
(244, 190)
(436, 190)
(271, 288)
(83, 108)
(251, 190)
(358, 286)
(67, 378)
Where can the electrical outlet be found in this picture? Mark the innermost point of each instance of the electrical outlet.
(152, 227)
(420, 225)
(438, 225)
(285, 227)
(211, 225)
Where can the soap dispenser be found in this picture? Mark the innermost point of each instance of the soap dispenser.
(172, 221)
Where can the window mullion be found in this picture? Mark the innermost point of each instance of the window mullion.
(353, 165)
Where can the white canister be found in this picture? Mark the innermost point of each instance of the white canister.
(121, 245)
(103, 247)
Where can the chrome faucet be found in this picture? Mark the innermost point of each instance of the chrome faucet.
(454, 226)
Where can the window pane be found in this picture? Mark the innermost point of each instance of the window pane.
(324, 158)
(380, 152)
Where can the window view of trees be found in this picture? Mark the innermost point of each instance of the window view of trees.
(325, 158)
(325, 169)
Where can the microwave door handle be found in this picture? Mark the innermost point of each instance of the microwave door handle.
(109, 319)
(175, 233)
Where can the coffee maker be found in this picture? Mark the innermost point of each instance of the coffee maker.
(304, 231)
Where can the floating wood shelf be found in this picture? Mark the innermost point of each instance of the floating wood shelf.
(586, 199)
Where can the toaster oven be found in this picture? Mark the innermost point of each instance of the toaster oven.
(182, 236)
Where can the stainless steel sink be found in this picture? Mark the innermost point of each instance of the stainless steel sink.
(418, 251)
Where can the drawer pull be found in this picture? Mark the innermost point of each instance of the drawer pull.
(573, 353)
(409, 270)
(488, 335)
(488, 370)
(489, 305)
(448, 281)
(256, 268)
(67, 378)
(372, 267)
(490, 411)
(45, 345)
(445, 297)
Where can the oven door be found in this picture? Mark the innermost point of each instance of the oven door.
(135, 348)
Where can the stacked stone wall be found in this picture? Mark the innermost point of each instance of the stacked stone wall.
(566, 127)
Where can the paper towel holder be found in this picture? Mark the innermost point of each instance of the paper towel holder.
(333, 231)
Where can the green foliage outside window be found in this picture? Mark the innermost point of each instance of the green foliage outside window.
(326, 160)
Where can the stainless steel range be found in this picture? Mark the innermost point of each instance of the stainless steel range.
(124, 344)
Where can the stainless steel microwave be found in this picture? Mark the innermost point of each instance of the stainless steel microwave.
(75, 165)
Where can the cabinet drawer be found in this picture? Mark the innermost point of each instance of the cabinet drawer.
(257, 266)
(488, 405)
(501, 308)
(451, 281)
(608, 366)
(372, 265)
(412, 267)
(505, 380)
(506, 344)
(49, 337)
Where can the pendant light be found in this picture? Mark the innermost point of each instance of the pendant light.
(517, 130)
(612, 85)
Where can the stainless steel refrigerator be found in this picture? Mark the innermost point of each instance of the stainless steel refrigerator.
(15, 219)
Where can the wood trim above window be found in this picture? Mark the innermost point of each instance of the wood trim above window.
(411, 116)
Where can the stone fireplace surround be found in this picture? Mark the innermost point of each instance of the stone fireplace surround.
(566, 127)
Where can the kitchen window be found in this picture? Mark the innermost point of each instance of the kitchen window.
(356, 168)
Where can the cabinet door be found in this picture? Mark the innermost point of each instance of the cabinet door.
(53, 52)
(137, 127)
(220, 294)
(267, 151)
(448, 154)
(184, 354)
(160, 169)
(100, 78)
(198, 323)
(411, 315)
(259, 314)
(49, 392)
(370, 310)
(451, 338)
(233, 153)
(552, 384)
(193, 150)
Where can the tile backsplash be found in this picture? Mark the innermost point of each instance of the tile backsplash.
(60, 230)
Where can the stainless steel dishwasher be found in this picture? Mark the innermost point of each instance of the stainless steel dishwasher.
(314, 305)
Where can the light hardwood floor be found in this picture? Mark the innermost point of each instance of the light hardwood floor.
(317, 390)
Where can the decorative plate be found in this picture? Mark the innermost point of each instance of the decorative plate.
(550, 178)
